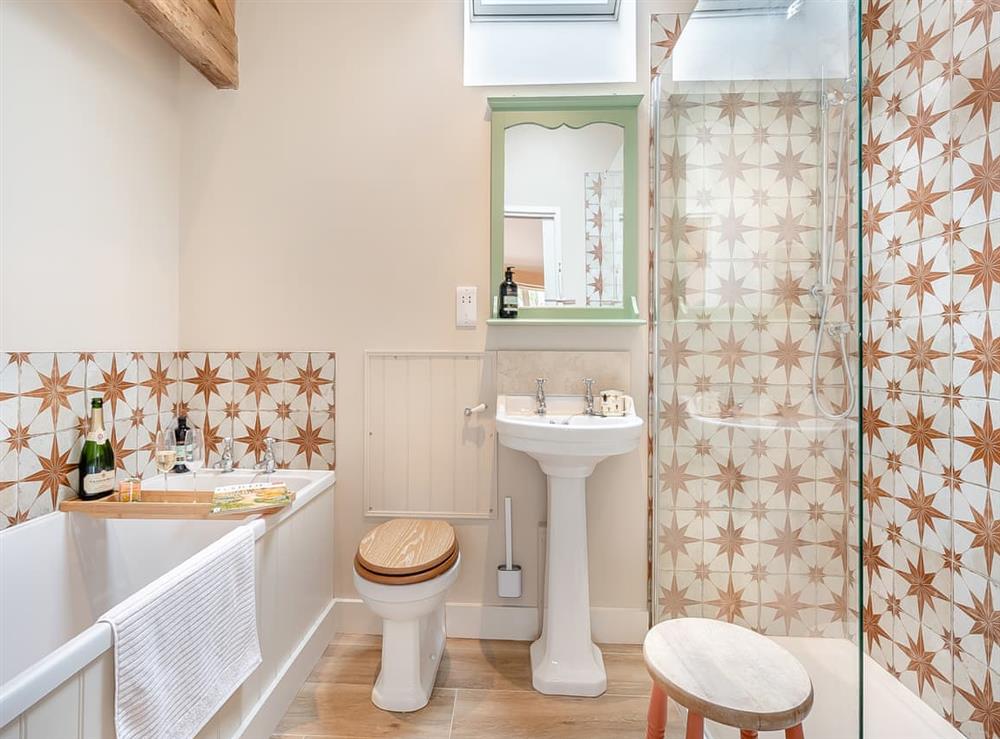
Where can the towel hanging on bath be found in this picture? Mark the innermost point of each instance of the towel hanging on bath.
(186, 642)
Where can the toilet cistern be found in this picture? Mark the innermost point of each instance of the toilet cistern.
(568, 443)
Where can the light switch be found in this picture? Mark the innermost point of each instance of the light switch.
(465, 307)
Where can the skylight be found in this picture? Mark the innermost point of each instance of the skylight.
(541, 10)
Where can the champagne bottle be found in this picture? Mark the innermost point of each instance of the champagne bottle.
(508, 295)
(97, 461)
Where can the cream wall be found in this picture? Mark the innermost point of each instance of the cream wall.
(89, 181)
(336, 201)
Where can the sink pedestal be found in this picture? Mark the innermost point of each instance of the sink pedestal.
(568, 443)
(564, 660)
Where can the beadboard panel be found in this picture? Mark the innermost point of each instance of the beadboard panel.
(423, 455)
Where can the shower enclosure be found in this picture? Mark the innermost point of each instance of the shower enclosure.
(754, 332)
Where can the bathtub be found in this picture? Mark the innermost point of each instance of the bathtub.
(60, 572)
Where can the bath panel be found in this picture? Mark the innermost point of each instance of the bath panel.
(58, 675)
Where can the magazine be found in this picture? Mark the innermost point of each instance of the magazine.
(252, 497)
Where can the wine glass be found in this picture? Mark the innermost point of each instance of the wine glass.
(194, 441)
(164, 454)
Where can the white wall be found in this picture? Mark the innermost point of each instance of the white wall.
(337, 199)
(89, 180)
(333, 202)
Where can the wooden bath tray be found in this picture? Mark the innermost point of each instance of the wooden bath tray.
(164, 504)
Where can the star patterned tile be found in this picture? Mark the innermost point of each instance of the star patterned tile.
(745, 159)
(44, 407)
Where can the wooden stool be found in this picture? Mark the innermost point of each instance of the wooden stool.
(724, 673)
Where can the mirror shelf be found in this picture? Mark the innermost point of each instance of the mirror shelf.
(606, 322)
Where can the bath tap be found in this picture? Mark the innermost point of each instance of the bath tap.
(540, 396)
(588, 396)
(225, 463)
(267, 464)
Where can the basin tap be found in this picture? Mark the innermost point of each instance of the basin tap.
(540, 396)
(588, 396)
(267, 463)
(225, 463)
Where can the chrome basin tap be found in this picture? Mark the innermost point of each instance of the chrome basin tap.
(588, 396)
(225, 463)
(540, 396)
(267, 464)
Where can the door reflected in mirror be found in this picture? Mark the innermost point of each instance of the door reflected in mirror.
(563, 214)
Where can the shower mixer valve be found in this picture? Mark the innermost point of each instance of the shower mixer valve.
(839, 330)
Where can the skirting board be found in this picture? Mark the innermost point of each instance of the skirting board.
(518, 623)
(278, 696)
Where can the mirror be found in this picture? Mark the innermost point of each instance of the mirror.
(563, 214)
(563, 205)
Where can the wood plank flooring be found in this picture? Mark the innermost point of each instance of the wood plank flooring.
(483, 691)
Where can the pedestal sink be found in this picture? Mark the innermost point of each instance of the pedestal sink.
(568, 444)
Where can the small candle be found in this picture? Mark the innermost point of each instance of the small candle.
(130, 490)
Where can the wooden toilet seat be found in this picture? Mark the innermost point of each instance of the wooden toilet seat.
(404, 551)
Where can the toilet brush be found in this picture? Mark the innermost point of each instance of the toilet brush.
(508, 574)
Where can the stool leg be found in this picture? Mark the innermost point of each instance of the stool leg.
(656, 718)
(695, 727)
(748, 734)
(794, 733)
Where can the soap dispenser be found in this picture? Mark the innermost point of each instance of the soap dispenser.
(508, 296)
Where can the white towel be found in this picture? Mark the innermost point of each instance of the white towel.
(186, 642)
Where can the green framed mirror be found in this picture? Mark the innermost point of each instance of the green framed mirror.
(564, 207)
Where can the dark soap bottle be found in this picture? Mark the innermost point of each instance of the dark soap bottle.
(508, 296)
(180, 444)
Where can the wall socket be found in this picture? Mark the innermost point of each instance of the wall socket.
(465, 307)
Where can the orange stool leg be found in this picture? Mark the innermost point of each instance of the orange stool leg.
(696, 726)
(656, 718)
(794, 733)
(748, 734)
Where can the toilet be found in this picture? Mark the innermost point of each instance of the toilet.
(402, 571)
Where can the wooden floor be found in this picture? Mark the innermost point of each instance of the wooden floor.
(483, 692)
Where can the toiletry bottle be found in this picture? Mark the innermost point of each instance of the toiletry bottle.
(97, 460)
(180, 444)
(508, 296)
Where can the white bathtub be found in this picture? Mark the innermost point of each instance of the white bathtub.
(59, 572)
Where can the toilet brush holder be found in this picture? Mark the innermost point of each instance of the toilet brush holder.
(509, 581)
(508, 574)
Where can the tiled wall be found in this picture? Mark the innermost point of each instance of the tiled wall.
(753, 494)
(931, 164)
(45, 401)
(249, 395)
(602, 210)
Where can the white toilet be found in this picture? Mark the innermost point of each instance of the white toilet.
(402, 570)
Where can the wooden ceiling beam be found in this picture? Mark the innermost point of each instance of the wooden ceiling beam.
(202, 31)
(227, 9)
